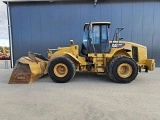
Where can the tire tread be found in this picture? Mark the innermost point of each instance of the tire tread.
(65, 79)
(111, 67)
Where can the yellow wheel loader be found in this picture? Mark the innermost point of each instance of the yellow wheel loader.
(120, 60)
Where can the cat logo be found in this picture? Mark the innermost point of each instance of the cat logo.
(117, 45)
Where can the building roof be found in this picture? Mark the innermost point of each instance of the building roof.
(12, 1)
(5, 1)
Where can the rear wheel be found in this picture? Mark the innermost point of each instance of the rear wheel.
(61, 69)
(122, 69)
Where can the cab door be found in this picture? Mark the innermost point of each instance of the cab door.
(99, 36)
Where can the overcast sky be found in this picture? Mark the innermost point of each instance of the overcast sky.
(3, 25)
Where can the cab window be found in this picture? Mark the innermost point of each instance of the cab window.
(104, 33)
(96, 34)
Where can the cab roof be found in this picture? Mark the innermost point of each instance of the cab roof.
(106, 23)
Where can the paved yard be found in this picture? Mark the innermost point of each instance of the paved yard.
(86, 97)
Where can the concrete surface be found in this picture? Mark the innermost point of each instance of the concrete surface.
(86, 97)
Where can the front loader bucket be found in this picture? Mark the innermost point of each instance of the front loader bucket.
(27, 70)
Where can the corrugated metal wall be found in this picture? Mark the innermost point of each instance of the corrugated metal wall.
(39, 26)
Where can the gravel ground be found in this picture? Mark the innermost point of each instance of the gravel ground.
(86, 97)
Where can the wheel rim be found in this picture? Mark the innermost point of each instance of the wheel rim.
(60, 70)
(124, 70)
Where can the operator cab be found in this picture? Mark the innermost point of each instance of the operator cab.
(95, 38)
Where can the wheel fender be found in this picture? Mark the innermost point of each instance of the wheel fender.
(69, 55)
(72, 56)
(123, 52)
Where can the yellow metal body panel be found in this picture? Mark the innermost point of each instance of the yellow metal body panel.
(100, 60)
(150, 63)
(142, 50)
(72, 52)
(97, 62)
(143, 60)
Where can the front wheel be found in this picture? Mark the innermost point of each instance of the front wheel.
(61, 69)
(122, 69)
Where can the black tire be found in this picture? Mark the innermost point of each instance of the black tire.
(129, 73)
(108, 66)
(107, 69)
(68, 66)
